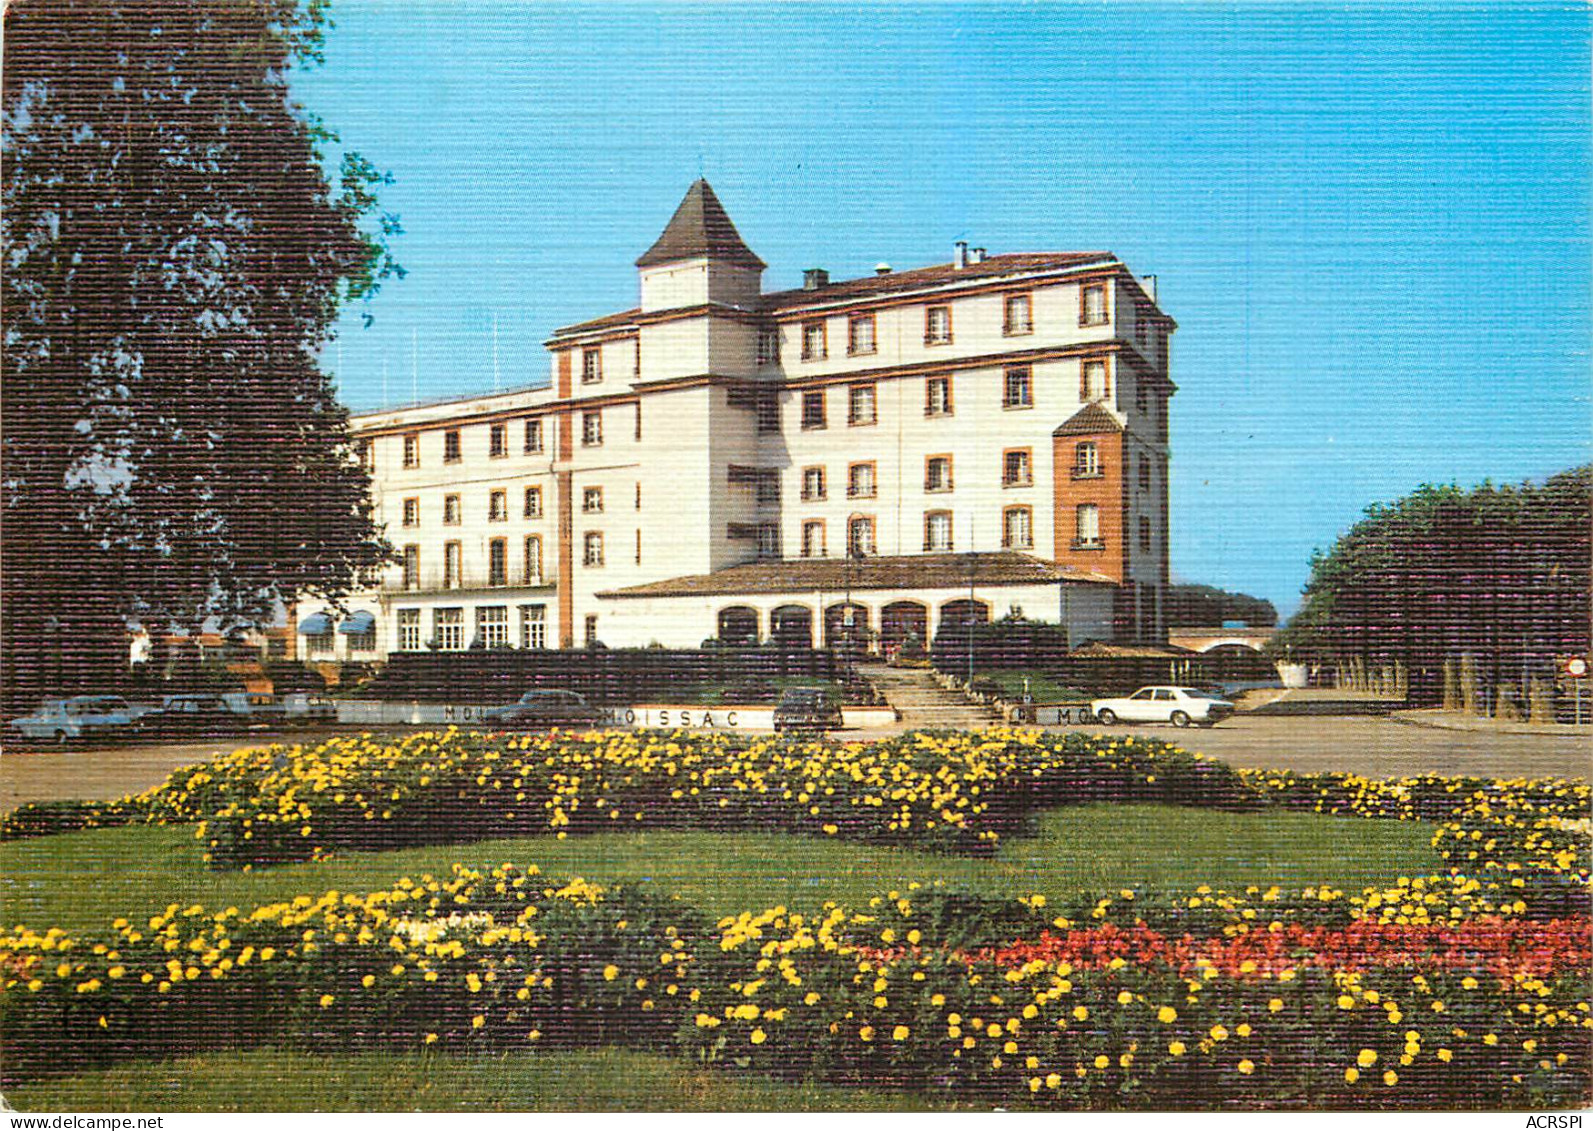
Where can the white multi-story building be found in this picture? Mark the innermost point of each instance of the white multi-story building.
(879, 455)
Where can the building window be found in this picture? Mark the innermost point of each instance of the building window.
(367, 455)
(498, 441)
(411, 512)
(937, 530)
(860, 405)
(533, 626)
(638, 495)
(451, 565)
(1092, 381)
(1144, 474)
(812, 483)
(813, 539)
(860, 481)
(591, 366)
(320, 643)
(409, 630)
(532, 573)
(859, 536)
(1017, 528)
(768, 346)
(937, 325)
(813, 410)
(591, 628)
(1092, 305)
(860, 334)
(533, 502)
(1019, 389)
(768, 414)
(1087, 531)
(451, 446)
(1141, 396)
(814, 341)
(492, 626)
(638, 547)
(768, 486)
(412, 450)
(1086, 460)
(498, 561)
(937, 473)
(498, 506)
(591, 429)
(450, 510)
(593, 555)
(1017, 468)
(592, 500)
(448, 629)
(533, 435)
(768, 540)
(937, 396)
(411, 567)
(1144, 532)
(638, 436)
(1017, 317)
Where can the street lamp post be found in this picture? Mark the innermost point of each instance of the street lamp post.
(973, 565)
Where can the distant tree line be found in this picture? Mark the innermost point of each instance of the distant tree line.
(1495, 578)
(1201, 606)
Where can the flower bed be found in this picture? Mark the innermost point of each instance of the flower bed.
(1097, 1010)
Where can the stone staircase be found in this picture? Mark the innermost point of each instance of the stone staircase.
(922, 703)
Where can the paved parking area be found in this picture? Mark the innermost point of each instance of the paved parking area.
(1377, 747)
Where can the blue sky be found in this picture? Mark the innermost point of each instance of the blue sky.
(1371, 224)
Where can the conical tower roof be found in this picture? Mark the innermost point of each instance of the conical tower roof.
(700, 228)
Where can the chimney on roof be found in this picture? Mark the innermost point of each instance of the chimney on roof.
(978, 255)
(1150, 285)
(814, 278)
(882, 268)
(959, 257)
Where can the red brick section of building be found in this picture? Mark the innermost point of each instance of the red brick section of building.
(1105, 487)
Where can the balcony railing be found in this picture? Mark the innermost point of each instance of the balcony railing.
(465, 581)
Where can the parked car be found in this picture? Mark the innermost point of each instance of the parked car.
(807, 708)
(538, 709)
(256, 708)
(1180, 706)
(196, 713)
(304, 709)
(80, 718)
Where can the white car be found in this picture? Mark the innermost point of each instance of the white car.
(81, 717)
(1180, 706)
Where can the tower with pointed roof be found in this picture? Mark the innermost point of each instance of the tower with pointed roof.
(699, 259)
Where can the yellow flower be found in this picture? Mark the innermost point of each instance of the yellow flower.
(758, 1037)
(1080, 1013)
(431, 1038)
(900, 1033)
(1102, 1061)
(477, 1021)
(326, 1000)
(1351, 1075)
(1391, 1077)
(1445, 1055)
(1167, 1015)
(1275, 1005)
(1246, 1067)
(1346, 1001)
(1125, 998)
(1177, 1048)
(866, 1033)
(610, 973)
(1218, 1033)
(1366, 1058)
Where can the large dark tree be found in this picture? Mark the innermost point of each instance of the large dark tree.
(1496, 573)
(174, 260)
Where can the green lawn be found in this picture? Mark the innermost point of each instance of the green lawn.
(80, 881)
(597, 1080)
(1043, 688)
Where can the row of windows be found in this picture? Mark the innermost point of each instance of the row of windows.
(498, 438)
(531, 568)
(492, 628)
(1017, 391)
(862, 335)
(1017, 532)
(498, 505)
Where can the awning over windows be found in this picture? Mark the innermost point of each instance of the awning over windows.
(358, 623)
(317, 625)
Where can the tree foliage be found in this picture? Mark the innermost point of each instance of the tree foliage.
(1190, 606)
(174, 260)
(1496, 573)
